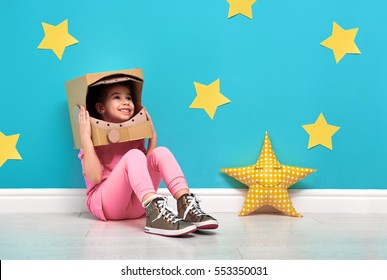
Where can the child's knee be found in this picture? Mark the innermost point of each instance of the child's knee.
(134, 154)
(161, 151)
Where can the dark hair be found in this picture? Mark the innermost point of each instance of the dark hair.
(97, 94)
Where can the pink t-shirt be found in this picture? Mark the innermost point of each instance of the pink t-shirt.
(109, 156)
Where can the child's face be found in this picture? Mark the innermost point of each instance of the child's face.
(118, 104)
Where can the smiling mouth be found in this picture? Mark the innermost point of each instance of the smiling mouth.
(125, 111)
(268, 185)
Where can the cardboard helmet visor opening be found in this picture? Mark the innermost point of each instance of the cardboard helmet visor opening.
(95, 90)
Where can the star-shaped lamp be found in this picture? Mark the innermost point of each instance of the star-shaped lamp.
(268, 182)
(320, 132)
(208, 98)
(341, 42)
(243, 7)
(8, 148)
(57, 38)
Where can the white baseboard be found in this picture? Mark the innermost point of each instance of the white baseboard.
(213, 200)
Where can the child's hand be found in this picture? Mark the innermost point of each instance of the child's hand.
(152, 143)
(84, 123)
(154, 135)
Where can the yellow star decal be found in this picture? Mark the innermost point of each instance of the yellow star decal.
(243, 7)
(8, 148)
(57, 38)
(341, 42)
(208, 98)
(268, 182)
(320, 133)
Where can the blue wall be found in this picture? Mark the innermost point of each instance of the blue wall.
(272, 67)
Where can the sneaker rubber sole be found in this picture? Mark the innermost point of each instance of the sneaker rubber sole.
(166, 232)
(206, 225)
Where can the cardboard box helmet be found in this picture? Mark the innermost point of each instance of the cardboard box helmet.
(87, 90)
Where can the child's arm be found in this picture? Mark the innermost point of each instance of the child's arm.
(91, 165)
(152, 142)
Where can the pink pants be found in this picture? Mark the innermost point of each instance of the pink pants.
(136, 175)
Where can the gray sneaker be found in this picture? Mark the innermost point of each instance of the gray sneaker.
(161, 220)
(189, 209)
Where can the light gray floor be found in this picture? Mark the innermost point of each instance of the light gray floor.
(261, 236)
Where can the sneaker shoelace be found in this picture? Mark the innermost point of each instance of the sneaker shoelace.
(193, 201)
(167, 212)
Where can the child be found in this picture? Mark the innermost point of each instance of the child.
(122, 178)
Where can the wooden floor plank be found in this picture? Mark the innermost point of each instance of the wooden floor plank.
(261, 236)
